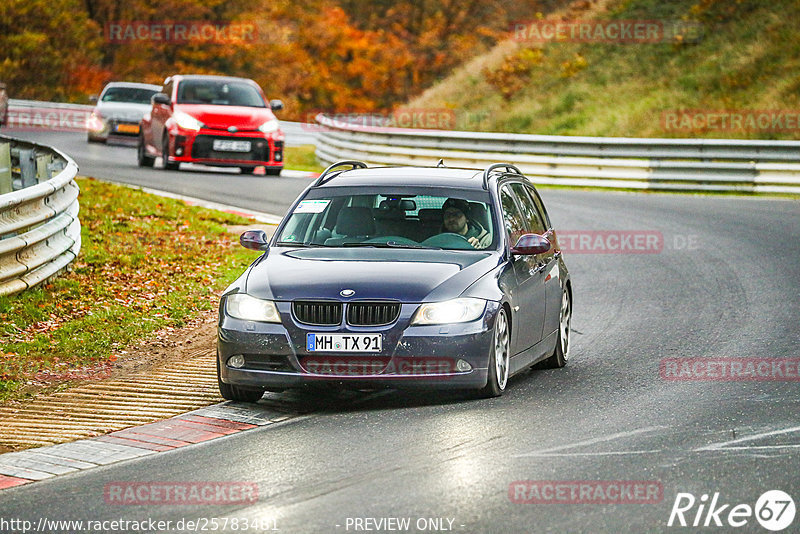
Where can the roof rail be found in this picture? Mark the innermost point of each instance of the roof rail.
(353, 165)
(509, 168)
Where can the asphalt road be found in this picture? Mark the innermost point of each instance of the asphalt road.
(726, 285)
(117, 161)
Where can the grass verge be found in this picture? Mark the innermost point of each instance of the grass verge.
(302, 158)
(146, 263)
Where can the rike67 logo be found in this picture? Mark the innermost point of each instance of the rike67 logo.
(774, 511)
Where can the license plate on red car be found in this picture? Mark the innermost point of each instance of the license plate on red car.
(344, 342)
(229, 145)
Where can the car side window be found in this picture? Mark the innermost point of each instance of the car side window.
(512, 218)
(529, 210)
(539, 205)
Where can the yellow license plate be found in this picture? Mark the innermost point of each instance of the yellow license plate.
(128, 128)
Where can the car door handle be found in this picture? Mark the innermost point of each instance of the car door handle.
(539, 267)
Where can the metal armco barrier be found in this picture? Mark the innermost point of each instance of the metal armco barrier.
(618, 162)
(40, 233)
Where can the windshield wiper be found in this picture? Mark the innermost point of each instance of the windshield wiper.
(388, 244)
(298, 244)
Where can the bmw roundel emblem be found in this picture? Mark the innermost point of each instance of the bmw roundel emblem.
(347, 292)
(232, 129)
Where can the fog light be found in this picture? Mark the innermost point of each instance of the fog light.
(463, 366)
(179, 151)
(236, 361)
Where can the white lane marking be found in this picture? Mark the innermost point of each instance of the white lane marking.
(724, 444)
(754, 447)
(611, 453)
(592, 441)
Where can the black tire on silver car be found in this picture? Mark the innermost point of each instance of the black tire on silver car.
(499, 358)
(561, 352)
(165, 163)
(237, 393)
(141, 154)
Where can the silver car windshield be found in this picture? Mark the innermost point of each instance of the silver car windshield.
(130, 95)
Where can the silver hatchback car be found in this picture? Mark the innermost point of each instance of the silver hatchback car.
(118, 110)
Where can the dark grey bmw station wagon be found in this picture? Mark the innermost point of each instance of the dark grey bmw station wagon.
(396, 277)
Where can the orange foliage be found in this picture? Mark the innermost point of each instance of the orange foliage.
(332, 55)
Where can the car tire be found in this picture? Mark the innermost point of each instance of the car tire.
(273, 171)
(165, 163)
(141, 154)
(247, 170)
(237, 393)
(561, 351)
(499, 358)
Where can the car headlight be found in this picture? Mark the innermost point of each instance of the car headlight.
(186, 121)
(461, 310)
(269, 126)
(95, 122)
(249, 308)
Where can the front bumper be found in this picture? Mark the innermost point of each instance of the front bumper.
(198, 147)
(412, 356)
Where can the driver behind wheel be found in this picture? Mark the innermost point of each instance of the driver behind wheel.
(456, 221)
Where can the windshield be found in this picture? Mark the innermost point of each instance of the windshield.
(219, 93)
(446, 221)
(132, 95)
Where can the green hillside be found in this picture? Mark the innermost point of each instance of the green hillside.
(746, 60)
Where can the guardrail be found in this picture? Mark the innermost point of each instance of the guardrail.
(40, 233)
(658, 164)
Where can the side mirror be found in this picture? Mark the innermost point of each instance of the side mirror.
(160, 98)
(275, 105)
(530, 244)
(254, 240)
(93, 99)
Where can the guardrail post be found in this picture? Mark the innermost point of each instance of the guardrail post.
(6, 184)
(27, 167)
(43, 162)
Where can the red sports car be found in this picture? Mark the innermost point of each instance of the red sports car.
(214, 120)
